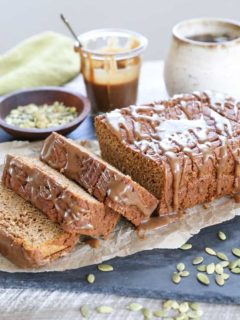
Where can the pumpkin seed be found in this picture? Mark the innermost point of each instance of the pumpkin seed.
(234, 264)
(222, 256)
(159, 313)
(221, 235)
(197, 260)
(176, 278)
(186, 246)
(84, 310)
(235, 270)
(147, 313)
(219, 268)
(105, 267)
(180, 266)
(225, 276)
(193, 314)
(224, 264)
(175, 305)
(236, 252)
(91, 278)
(203, 278)
(194, 306)
(219, 280)
(168, 304)
(134, 306)
(183, 307)
(104, 309)
(184, 273)
(202, 268)
(210, 251)
(210, 268)
(181, 317)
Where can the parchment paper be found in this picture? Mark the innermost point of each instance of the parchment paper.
(124, 240)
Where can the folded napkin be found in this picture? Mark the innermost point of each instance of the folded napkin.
(47, 59)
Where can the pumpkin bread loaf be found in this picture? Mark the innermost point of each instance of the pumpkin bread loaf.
(60, 199)
(27, 237)
(104, 182)
(185, 150)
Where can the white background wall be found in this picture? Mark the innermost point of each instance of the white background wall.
(154, 18)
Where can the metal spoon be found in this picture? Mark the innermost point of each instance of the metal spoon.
(71, 30)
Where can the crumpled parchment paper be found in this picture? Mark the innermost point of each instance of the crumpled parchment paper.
(124, 240)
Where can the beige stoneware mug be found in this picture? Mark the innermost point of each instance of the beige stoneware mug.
(204, 54)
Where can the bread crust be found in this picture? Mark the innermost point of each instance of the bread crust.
(107, 184)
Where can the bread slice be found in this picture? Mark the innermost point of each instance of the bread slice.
(185, 150)
(27, 237)
(100, 179)
(60, 199)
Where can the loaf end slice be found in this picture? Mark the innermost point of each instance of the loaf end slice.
(60, 199)
(27, 237)
(110, 186)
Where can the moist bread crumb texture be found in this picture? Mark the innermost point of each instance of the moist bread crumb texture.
(27, 237)
(60, 199)
(185, 151)
(107, 184)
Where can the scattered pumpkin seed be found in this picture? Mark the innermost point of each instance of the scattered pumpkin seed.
(175, 305)
(197, 260)
(104, 309)
(219, 280)
(225, 276)
(195, 314)
(222, 256)
(186, 246)
(224, 264)
(219, 268)
(91, 278)
(203, 278)
(194, 306)
(236, 252)
(221, 235)
(160, 313)
(105, 267)
(183, 307)
(181, 317)
(210, 268)
(176, 278)
(234, 264)
(235, 270)
(180, 266)
(147, 313)
(167, 304)
(184, 273)
(192, 315)
(134, 306)
(210, 251)
(202, 268)
(84, 310)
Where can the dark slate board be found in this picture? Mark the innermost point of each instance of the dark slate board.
(148, 273)
(145, 274)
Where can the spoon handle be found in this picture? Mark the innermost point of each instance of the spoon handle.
(70, 29)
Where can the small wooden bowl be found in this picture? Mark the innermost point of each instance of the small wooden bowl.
(39, 96)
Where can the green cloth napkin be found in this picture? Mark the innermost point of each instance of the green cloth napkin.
(47, 59)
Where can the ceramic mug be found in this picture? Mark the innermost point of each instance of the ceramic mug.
(196, 65)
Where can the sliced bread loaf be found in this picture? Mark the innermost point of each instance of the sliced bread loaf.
(106, 183)
(27, 237)
(59, 198)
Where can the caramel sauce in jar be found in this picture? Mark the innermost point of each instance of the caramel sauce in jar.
(111, 67)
